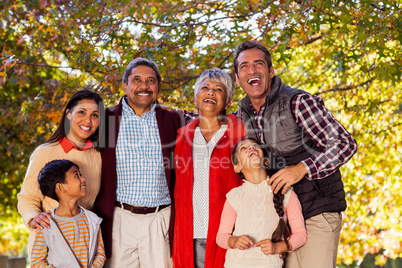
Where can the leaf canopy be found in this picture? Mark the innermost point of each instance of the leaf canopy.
(347, 52)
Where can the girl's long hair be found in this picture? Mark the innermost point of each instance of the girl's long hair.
(63, 128)
(282, 231)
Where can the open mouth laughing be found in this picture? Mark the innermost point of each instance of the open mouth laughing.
(210, 101)
(254, 81)
(144, 93)
(252, 153)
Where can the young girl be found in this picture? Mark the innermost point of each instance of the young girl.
(257, 215)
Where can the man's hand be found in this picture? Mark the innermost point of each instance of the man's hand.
(287, 177)
(41, 220)
(240, 242)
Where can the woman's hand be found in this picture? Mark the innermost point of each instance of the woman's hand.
(240, 242)
(41, 220)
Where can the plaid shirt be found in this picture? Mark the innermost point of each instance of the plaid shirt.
(336, 143)
(259, 120)
(141, 179)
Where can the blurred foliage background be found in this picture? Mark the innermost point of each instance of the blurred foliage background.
(348, 52)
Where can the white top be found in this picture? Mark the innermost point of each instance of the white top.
(202, 151)
(256, 218)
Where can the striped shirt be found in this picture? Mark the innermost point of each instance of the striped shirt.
(141, 179)
(75, 230)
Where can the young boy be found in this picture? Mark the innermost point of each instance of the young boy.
(74, 238)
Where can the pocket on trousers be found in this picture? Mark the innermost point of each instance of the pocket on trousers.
(116, 224)
(333, 219)
(161, 223)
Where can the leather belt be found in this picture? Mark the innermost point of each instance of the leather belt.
(139, 210)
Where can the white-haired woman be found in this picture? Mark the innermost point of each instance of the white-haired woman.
(204, 173)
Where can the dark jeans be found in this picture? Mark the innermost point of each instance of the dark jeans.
(199, 252)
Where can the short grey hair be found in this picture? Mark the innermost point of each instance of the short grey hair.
(141, 62)
(217, 75)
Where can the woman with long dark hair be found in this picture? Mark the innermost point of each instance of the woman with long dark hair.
(78, 139)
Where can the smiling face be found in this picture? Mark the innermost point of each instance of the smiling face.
(249, 155)
(254, 75)
(211, 97)
(75, 183)
(84, 120)
(141, 89)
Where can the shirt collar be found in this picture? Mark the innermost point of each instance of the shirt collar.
(252, 109)
(67, 145)
(127, 110)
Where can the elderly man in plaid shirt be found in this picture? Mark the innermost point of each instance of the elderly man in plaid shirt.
(308, 144)
(136, 195)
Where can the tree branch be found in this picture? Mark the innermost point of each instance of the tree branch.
(185, 79)
(10, 104)
(225, 59)
(347, 87)
(58, 67)
(312, 40)
(384, 130)
(246, 15)
(377, 7)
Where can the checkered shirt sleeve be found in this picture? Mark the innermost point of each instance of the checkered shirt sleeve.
(336, 144)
